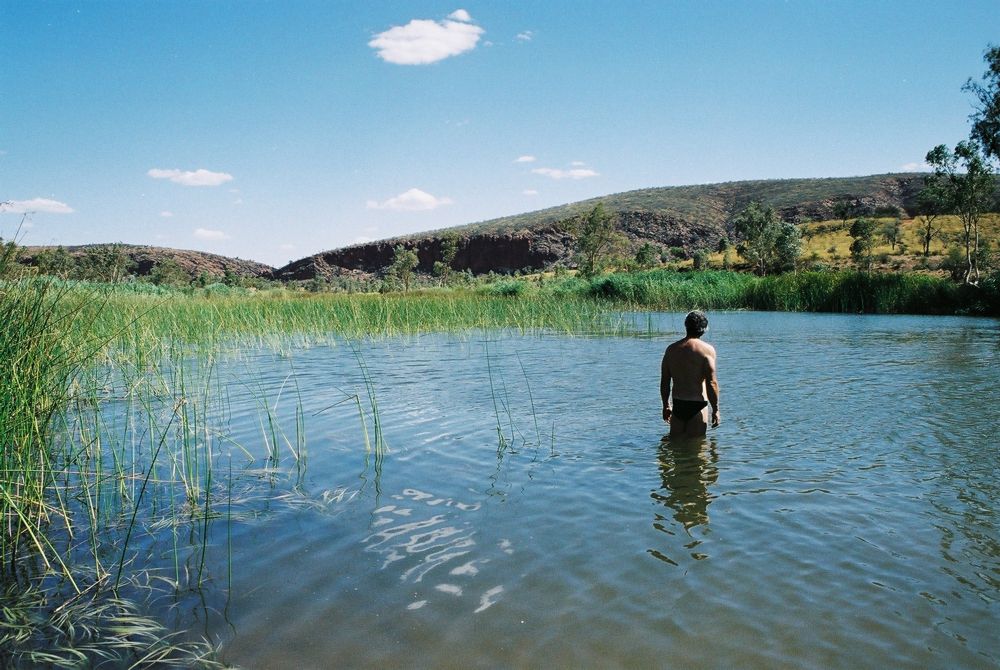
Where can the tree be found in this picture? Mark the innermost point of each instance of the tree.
(106, 263)
(449, 249)
(986, 119)
(168, 272)
(970, 185)
(56, 262)
(647, 256)
(932, 201)
(892, 232)
(404, 262)
(769, 244)
(9, 254)
(787, 247)
(863, 234)
(597, 241)
(844, 210)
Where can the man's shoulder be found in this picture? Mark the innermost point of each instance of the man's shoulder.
(676, 345)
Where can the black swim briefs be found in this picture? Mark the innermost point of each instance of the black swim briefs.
(686, 409)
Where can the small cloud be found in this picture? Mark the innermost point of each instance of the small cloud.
(238, 201)
(286, 247)
(575, 173)
(524, 36)
(578, 164)
(424, 41)
(915, 167)
(206, 234)
(411, 201)
(525, 159)
(529, 191)
(35, 205)
(198, 177)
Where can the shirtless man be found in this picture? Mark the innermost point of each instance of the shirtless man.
(690, 364)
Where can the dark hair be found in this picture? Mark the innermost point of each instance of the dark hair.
(696, 323)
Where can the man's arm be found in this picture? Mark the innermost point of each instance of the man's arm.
(712, 388)
(665, 387)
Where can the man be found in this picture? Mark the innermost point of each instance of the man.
(689, 364)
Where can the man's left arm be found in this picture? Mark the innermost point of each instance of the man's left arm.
(665, 387)
(712, 388)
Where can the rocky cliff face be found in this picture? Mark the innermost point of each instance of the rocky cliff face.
(478, 253)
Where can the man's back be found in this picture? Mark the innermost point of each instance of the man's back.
(690, 363)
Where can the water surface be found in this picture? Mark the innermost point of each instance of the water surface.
(526, 511)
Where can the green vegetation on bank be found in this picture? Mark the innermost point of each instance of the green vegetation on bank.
(564, 303)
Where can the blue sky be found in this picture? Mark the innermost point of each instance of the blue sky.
(274, 130)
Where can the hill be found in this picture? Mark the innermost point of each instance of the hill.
(688, 218)
(140, 260)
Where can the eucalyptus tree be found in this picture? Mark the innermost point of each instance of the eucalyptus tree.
(597, 241)
(970, 186)
(769, 244)
(863, 241)
(932, 201)
(404, 262)
(986, 118)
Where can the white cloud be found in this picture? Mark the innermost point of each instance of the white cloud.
(915, 167)
(35, 205)
(206, 234)
(576, 173)
(199, 177)
(411, 201)
(578, 164)
(529, 191)
(286, 247)
(424, 41)
(525, 36)
(166, 215)
(525, 159)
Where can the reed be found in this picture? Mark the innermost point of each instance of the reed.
(846, 292)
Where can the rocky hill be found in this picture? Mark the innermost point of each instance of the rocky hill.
(686, 217)
(141, 260)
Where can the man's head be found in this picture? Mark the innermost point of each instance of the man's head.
(696, 323)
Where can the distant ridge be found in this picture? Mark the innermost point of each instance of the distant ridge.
(688, 217)
(145, 258)
(671, 217)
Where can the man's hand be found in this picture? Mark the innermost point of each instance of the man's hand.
(666, 414)
(716, 419)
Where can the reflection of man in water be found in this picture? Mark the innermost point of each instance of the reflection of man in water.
(689, 364)
(687, 468)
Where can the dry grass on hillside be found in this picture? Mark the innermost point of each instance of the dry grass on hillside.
(828, 243)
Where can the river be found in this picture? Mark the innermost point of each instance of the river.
(525, 510)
